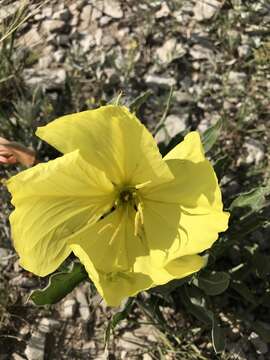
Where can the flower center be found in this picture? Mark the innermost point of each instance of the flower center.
(127, 196)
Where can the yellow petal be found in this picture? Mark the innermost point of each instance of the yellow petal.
(113, 140)
(161, 222)
(197, 232)
(175, 269)
(195, 184)
(189, 149)
(111, 244)
(116, 286)
(52, 202)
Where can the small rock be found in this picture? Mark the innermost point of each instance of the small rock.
(4, 253)
(62, 39)
(98, 36)
(244, 51)
(51, 26)
(89, 345)
(164, 11)
(204, 125)
(147, 357)
(113, 9)
(59, 56)
(83, 305)
(35, 349)
(64, 15)
(161, 81)
(182, 97)
(96, 14)
(24, 330)
(16, 356)
(199, 52)
(87, 42)
(31, 38)
(47, 325)
(47, 79)
(235, 77)
(260, 346)
(175, 124)
(9, 10)
(85, 17)
(170, 51)
(206, 9)
(44, 62)
(104, 20)
(47, 12)
(75, 20)
(255, 151)
(69, 308)
(23, 282)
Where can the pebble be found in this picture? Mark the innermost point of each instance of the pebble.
(160, 81)
(173, 125)
(50, 26)
(206, 9)
(260, 346)
(44, 62)
(16, 356)
(170, 51)
(64, 14)
(48, 79)
(199, 52)
(35, 349)
(24, 282)
(31, 38)
(4, 253)
(255, 151)
(164, 11)
(113, 9)
(85, 17)
(69, 308)
(47, 325)
(235, 77)
(244, 51)
(84, 308)
(59, 56)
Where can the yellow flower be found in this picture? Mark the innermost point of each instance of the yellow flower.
(133, 219)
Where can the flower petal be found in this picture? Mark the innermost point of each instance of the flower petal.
(111, 244)
(116, 286)
(160, 221)
(175, 269)
(189, 149)
(113, 140)
(197, 233)
(53, 201)
(195, 185)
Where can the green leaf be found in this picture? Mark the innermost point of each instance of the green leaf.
(195, 303)
(210, 136)
(213, 283)
(243, 290)
(221, 165)
(60, 284)
(261, 264)
(253, 199)
(166, 289)
(135, 105)
(218, 337)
